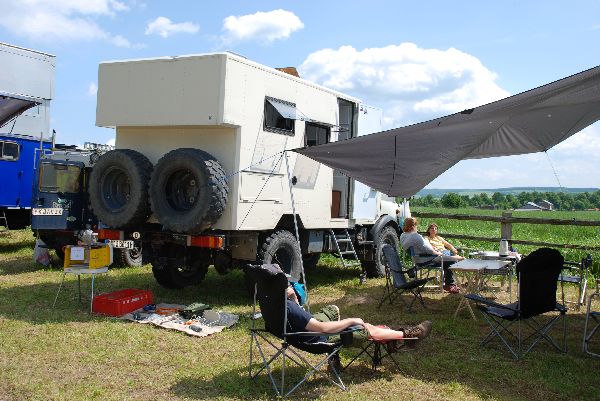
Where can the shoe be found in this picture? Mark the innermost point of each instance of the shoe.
(452, 289)
(337, 310)
(334, 365)
(417, 333)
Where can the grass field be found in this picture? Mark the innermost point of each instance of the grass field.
(67, 353)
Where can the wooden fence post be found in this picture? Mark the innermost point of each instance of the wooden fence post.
(506, 227)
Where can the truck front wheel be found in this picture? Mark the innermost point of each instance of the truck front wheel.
(376, 268)
(282, 248)
(130, 257)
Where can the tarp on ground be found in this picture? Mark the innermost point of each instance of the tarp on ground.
(402, 161)
(12, 106)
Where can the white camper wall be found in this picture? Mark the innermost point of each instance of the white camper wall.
(28, 73)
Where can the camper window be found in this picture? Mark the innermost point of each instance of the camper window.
(280, 116)
(316, 134)
(10, 151)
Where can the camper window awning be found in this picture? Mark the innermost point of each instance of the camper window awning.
(11, 106)
(402, 161)
(287, 110)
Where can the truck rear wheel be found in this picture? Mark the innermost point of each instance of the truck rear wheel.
(176, 273)
(376, 268)
(130, 257)
(119, 188)
(188, 190)
(282, 248)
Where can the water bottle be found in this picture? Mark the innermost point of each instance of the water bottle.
(503, 247)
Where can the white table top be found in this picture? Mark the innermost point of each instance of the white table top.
(85, 270)
(479, 264)
(495, 255)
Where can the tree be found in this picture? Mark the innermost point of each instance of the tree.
(498, 198)
(452, 200)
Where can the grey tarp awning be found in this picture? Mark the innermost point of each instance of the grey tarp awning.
(12, 106)
(402, 161)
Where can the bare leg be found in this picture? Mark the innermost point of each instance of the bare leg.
(380, 333)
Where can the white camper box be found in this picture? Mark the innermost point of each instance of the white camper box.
(220, 103)
(28, 74)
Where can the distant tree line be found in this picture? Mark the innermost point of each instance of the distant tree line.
(498, 200)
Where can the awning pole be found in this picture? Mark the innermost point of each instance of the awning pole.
(287, 164)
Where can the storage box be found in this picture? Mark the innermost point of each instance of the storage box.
(90, 257)
(121, 302)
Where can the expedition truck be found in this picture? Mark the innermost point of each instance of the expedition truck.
(26, 90)
(200, 170)
(60, 212)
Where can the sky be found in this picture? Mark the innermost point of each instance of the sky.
(414, 60)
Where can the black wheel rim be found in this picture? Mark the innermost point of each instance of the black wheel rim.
(115, 188)
(182, 190)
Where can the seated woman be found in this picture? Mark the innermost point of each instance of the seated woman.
(411, 238)
(438, 242)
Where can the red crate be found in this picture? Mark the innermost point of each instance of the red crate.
(121, 302)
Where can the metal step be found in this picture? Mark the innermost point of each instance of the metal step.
(345, 238)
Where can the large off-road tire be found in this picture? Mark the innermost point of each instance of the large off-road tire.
(119, 188)
(129, 257)
(376, 268)
(188, 190)
(310, 260)
(176, 275)
(282, 248)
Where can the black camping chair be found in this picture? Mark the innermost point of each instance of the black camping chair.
(575, 273)
(270, 284)
(537, 274)
(433, 264)
(396, 282)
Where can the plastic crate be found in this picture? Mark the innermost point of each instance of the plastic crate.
(121, 302)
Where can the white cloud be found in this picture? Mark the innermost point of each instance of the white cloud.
(410, 83)
(65, 20)
(264, 27)
(165, 27)
(111, 142)
(92, 89)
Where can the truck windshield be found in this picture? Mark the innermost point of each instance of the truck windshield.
(59, 178)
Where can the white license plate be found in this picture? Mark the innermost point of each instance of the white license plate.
(121, 244)
(47, 211)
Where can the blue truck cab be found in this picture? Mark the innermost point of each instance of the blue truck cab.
(18, 154)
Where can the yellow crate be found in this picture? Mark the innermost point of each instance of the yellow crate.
(94, 257)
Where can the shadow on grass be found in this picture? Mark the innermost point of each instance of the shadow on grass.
(16, 246)
(236, 384)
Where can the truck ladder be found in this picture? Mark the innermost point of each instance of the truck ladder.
(349, 251)
(3, 222)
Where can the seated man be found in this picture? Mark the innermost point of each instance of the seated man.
(327, 320)
(411, 238)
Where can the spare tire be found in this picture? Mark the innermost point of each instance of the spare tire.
(188, 190)
(119, 188)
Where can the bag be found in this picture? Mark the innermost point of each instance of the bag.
(194, 310)
(41, 254)
(300, 291)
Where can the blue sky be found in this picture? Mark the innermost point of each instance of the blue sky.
(415, 60)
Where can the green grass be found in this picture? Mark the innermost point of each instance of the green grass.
(67, 353)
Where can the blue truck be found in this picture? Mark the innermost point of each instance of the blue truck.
(18, 158)
(26, 91)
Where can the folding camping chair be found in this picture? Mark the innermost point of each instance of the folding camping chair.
(270, 284)
(575, 273)
(396, 282)
(537, 274)
(433, 264)
(591, 325)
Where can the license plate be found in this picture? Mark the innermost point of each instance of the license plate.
(121, 244)
(47, 211)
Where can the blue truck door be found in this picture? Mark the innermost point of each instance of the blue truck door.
(11, 173)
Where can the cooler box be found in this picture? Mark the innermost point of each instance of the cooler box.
(121, 302)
